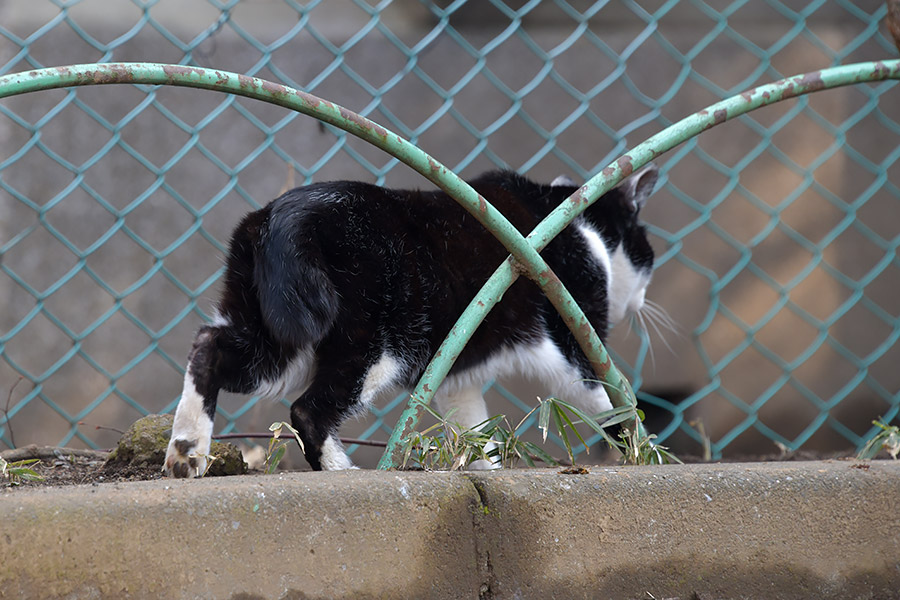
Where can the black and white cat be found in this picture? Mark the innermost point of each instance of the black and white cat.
(339, 293)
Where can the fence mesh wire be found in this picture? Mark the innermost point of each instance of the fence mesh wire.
(776, 235)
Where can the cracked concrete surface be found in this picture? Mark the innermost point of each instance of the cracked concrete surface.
(765, 530)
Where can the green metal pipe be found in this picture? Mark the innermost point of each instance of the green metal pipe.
(609, 177)
(525, 255)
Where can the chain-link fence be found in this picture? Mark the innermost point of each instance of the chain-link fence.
(776, 234)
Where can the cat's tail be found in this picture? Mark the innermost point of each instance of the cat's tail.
(298, 300)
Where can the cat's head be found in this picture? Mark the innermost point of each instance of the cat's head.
(628, 256)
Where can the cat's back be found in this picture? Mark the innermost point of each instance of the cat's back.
(514, 195)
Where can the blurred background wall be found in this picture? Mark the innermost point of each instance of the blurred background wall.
(776, 233)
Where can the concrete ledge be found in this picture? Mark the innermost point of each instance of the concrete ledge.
(765, 530)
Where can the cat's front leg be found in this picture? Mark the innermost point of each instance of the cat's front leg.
(467, 408)
(590, 397)
(188, 450)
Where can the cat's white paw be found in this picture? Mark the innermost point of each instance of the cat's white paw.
(183, 459)
(333, 456)
(188, 450)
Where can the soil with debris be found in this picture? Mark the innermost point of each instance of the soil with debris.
(140, 453)
(138, 456)
(65, 466)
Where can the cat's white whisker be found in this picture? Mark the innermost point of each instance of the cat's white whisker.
(658, 319)
(654, 321)
(633, 319)
(654, 324)
(643, 322)
(663, 317)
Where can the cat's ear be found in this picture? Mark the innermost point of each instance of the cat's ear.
(638, 187)
(563, 181)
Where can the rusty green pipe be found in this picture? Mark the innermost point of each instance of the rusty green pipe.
(609, 177)
(525, 255)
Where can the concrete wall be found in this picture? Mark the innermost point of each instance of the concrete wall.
(824, 530)
(221, 176)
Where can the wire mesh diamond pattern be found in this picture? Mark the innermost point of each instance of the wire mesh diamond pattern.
(776, 235)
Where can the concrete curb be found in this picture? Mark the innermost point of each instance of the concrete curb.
(763, 530)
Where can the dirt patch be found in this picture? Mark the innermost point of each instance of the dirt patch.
(138, 456)
(65, 466)
(141, 450)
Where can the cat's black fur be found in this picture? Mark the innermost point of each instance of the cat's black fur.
(346, 289)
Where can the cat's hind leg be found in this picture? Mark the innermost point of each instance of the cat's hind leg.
(339, 390)
(317, 422)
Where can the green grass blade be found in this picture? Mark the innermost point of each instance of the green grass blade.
(538, 452)
(544, 418)
(559, 419)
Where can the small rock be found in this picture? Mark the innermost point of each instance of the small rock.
(229, 460)
(145, 442)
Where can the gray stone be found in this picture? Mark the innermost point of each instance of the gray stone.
(145, 442)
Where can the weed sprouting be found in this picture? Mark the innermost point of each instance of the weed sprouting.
(639, 449)
(635, 446)
(886, 439)
(448, 446)
(277, 447)
(18, 471)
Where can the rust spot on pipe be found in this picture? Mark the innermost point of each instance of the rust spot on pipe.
(518, 268)
(581, 196)
(551, 288)
(892, 20)
(625, 165)
(245, 81)
(407, 428)
(310, 100)
(601, 368)
(608, 171)
(113, 73)
(276, 89)
(719, 116)
(365, 124)
(435, 165)
(173, 71)
(812, 82)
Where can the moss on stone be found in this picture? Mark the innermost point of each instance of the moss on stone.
(145, 442)
(229, 460)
